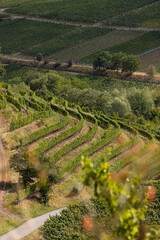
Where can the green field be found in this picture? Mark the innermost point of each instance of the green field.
(21, 33)
(80, 10)
(137, 45)
(147, 16)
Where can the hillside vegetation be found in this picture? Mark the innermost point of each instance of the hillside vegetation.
(45, 136)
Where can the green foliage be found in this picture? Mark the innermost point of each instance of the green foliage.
(153, 214)
(105, 60)
(15, 102)
(20, 162)
(130, 64)
(141, 102)
(137, 45)
(118, 105)
(78, 141)
(123, 199)
(22, 121)
(47, 144)
(73, 163)
(44, 131)
(69, 225)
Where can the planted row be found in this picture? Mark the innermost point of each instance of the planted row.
(47, 144)
(33, 105)
(2, 104)
(42, 132)
(22, 121)
(15, 102)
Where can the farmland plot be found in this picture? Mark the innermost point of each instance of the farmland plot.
(21, 33)
(91, 46)
(80, 10)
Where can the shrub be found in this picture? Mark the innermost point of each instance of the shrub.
(118, 105)
(141, 101)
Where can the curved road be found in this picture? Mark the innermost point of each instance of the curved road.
(29, 226)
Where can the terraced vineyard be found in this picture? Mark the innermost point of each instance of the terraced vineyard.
(62, 134)
(73, 129)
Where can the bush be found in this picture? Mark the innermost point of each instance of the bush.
(118, 105)
(141, 101)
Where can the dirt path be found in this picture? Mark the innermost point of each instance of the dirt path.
(87, 69)
(74, 23)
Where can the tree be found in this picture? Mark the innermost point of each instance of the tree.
(130, 64)
(35, 170)
(103, 60)
(117, 60)
(39, 57)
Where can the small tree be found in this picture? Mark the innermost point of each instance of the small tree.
(69, 63)
(117, 60)
(39, 57)
(103, 60)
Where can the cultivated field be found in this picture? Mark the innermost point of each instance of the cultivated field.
(81, 10)
(86, 48)
(67, 40)
(135, 46)
(21, 33)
